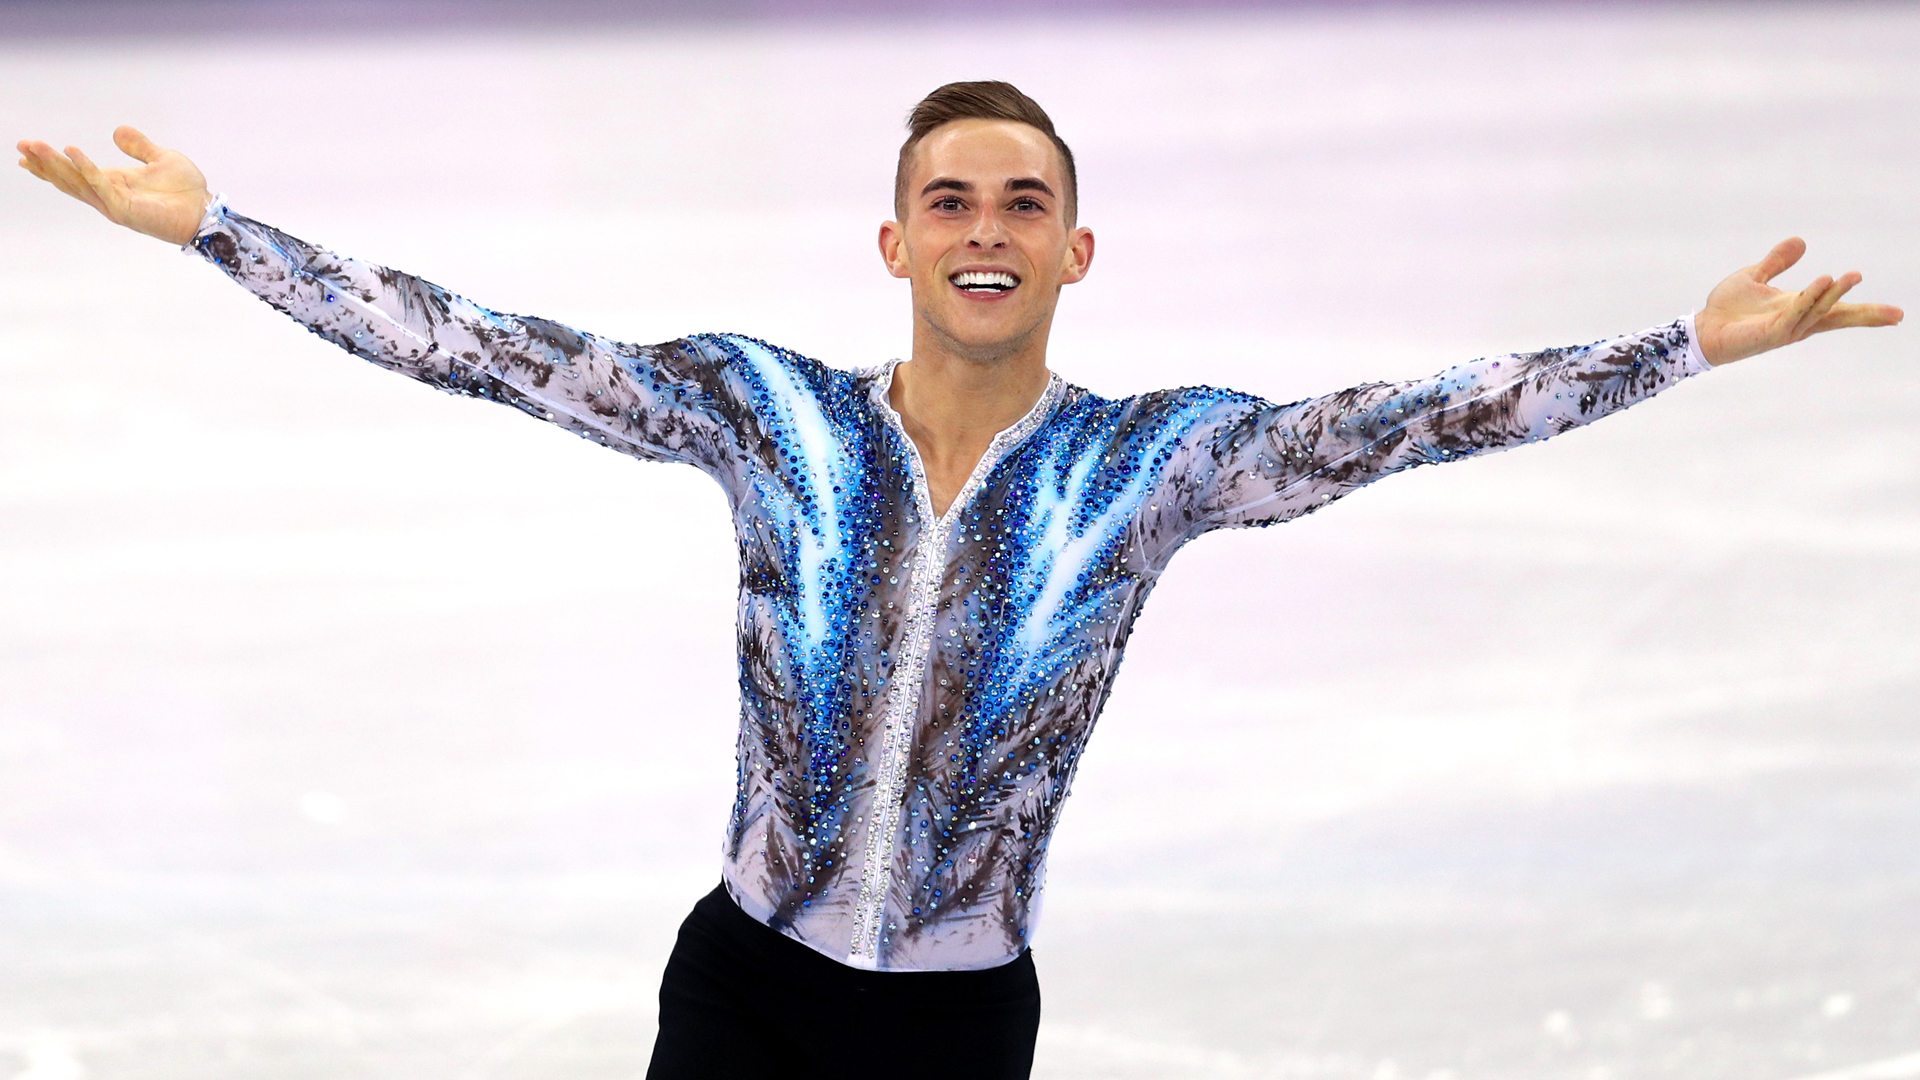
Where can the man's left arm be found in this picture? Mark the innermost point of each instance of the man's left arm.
(1247, 462)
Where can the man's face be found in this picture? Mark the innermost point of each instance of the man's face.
(986, 240)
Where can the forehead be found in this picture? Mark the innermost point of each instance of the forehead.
(987, 151)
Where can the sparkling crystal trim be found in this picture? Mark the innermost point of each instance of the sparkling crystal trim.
(909, 672)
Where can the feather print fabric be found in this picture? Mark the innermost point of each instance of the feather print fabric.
(916, 691)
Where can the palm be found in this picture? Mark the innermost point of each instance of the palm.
(164, 196)
(1745, 315)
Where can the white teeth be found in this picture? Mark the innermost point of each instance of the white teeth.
(997, 280)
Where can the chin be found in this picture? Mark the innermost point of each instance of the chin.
(986, 339)
(990, 347)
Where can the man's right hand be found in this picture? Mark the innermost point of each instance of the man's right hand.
(164, 197)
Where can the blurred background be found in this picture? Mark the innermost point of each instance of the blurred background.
(352, 730)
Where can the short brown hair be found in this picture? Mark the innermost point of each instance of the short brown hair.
(986, 100)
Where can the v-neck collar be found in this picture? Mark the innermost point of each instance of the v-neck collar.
(997, 449)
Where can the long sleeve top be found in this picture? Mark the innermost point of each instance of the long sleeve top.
(916, 689)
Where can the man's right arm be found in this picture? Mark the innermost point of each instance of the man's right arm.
(670, 402)
(665, 402)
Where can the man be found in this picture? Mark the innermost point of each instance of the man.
(941, 558)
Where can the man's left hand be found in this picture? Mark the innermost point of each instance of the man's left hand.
(1744, 315)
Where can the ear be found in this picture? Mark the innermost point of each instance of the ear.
(1079, 256)
(893, 249)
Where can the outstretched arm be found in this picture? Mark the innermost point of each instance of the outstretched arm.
(670, 402)
(1241, 461)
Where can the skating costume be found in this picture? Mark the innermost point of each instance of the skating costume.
(916, 689)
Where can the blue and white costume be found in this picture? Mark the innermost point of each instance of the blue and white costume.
(916, 690)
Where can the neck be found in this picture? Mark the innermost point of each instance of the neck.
(953, 404)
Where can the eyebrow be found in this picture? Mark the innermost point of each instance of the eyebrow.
(948, 183)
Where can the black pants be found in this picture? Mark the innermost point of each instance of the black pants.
(742, 1001)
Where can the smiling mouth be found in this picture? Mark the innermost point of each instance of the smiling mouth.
(985, 281)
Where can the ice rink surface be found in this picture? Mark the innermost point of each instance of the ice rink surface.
(349, 730)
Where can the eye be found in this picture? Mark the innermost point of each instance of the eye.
(1027, 205)
(949, 203)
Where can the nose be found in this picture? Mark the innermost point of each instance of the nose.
(987, 231)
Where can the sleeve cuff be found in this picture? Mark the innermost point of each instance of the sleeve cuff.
(209, 220)
(1696, 360)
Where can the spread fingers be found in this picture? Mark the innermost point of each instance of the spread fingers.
(1824, 303)
(48, 164)
(1800, 304)
(95, 179)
